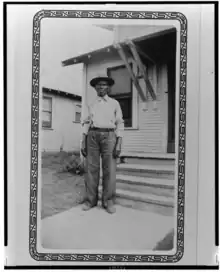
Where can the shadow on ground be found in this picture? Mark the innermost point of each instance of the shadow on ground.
(167, 243)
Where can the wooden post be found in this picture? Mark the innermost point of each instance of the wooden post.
(136, 83)
(144, 54)
(141, 66)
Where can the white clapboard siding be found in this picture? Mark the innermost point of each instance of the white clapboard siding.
(152, 133)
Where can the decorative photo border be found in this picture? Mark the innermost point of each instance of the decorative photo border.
(35, 139)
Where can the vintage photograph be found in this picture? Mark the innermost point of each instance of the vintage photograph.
(108, 136)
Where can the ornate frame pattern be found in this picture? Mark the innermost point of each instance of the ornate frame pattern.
(35, 132)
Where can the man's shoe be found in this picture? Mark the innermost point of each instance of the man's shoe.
(110, 208)
(86, 207)
(104, 205)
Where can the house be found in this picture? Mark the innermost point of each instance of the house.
(142, 62)
(60, 121)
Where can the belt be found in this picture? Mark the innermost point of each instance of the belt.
(102, 129)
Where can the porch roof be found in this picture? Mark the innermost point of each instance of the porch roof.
(88, 57)
(110, 50)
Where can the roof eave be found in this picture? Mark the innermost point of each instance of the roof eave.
(62, 93)
(85, 58)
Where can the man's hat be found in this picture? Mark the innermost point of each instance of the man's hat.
(95, 80)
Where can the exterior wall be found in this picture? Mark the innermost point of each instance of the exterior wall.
(150, 132)
(64, 133)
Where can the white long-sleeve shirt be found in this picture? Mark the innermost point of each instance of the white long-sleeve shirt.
(104, 113)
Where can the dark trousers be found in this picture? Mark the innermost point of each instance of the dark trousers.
(100, 144)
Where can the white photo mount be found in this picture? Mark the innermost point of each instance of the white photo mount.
(194, 125)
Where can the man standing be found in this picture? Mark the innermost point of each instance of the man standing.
(102, 137)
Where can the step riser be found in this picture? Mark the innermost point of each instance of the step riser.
(144, 161)
(147, 189)
(147, 173)
(168, 203)
(143, 206)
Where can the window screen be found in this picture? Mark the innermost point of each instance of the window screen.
(78, 114)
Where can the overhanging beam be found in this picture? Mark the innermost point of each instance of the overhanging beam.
(141, 67)
(141, 52)
(135, 80)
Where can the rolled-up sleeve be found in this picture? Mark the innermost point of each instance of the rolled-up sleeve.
(119, 122)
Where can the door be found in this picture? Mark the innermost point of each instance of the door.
(171, 106)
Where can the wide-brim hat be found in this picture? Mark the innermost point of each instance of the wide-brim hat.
(97, 79)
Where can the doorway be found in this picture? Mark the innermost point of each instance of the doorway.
(171, 105)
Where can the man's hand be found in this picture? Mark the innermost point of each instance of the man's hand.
(84, 146)
(117, 149)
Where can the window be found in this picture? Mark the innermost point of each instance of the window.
(78, 114)
(122, 91)
(47, 112)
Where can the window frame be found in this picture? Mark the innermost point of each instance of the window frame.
(48, 111)
(124, 95)
(78, 106)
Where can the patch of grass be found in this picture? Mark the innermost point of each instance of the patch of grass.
(61, 189)
(63, 162)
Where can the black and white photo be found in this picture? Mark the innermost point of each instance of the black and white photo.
(110, 134)
(125, 103)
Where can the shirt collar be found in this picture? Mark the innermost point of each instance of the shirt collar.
(105, 98)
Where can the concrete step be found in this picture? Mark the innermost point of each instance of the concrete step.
(147, 198)
(146, 202)
(145, 207)
(153, 171)
(148, 158)
(146, 161)
(148, 155)
(160, 187)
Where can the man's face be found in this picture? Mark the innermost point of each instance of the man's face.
(102, 88)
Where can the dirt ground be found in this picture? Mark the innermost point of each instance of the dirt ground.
(61, 190)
